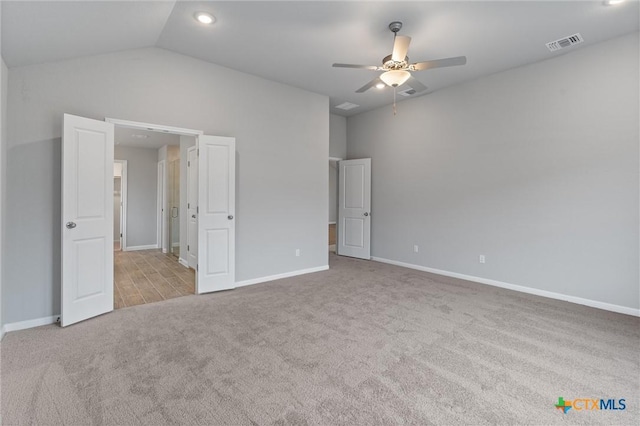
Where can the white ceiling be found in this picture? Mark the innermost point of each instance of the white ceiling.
(296, 42)
(135, 138)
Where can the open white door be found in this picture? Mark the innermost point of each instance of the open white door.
(87, 219)
(160, 231)
(354, 208)
(192, 207)
(216, 221)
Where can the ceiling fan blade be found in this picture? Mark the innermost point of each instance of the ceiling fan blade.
(400, 48)
(439, 63)
(415, 84)
(369, 85)
(366, 67)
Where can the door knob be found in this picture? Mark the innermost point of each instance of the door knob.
(71, 225)
(230, 217)
(193, 216)
(366, 213)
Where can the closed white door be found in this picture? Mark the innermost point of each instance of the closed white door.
(216, 221)
(354, 208)
(87, 219)
(192, 207)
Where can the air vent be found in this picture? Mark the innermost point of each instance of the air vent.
(565, 42)
(407, 92)
(347, 106)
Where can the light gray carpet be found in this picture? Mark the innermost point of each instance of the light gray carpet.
(361, 344)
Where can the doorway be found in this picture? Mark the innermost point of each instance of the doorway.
(333, 202)
(87, 214)
(147, 269)
(119, 203)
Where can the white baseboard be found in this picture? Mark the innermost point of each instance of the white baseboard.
(135, 248)
(281, 276)
(22, 325)
(544, 293)
(175, 245)
(183, 262)
(332, 223)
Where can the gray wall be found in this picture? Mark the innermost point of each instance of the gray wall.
(185, 143)
(535, 167)
(142, 194)
(338, 149)
(337, 136)
(3, 145)
(282, 136)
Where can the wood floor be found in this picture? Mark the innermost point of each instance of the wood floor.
(149, 276)
(332, 234)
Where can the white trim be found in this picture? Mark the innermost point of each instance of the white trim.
(332, 223)
(544, 293)
(335, 159)
(183, 262)
(147, 247)
(281, 276)
(154, 127)
(22, 325)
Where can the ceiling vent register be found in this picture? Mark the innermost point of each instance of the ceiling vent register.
(565, 42)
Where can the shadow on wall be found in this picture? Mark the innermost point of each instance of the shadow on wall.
(33, 191)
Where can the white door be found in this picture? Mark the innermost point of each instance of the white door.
(354, 208)
(87, 219)
(160, 199)
(216, 221)
(192, 207)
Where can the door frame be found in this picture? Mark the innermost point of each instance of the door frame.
(123, 206)
(337, 161)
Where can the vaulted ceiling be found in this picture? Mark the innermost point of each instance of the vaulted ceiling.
(296, 42)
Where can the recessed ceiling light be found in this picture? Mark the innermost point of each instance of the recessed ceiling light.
(613, 2)
(204, 18)
(380, 86)
(139, 136)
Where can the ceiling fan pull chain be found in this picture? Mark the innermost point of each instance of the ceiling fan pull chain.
(394, 100)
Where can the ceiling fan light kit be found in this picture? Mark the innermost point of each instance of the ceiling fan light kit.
(397, 69)
(395, 78)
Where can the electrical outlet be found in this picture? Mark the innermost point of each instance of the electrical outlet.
(481, 258)
(416, 249)
(297, 252)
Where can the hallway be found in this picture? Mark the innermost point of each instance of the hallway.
(149, 276)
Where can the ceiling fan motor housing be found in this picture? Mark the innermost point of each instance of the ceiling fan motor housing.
(395, 26)
(390, 64)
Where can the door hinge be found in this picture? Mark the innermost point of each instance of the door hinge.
(197, 267)
(198, 209)
(188, 163)
(198, 152)
(121, 235)
(188, 248)
(188, 205)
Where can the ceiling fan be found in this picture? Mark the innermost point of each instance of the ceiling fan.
(396, 67)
